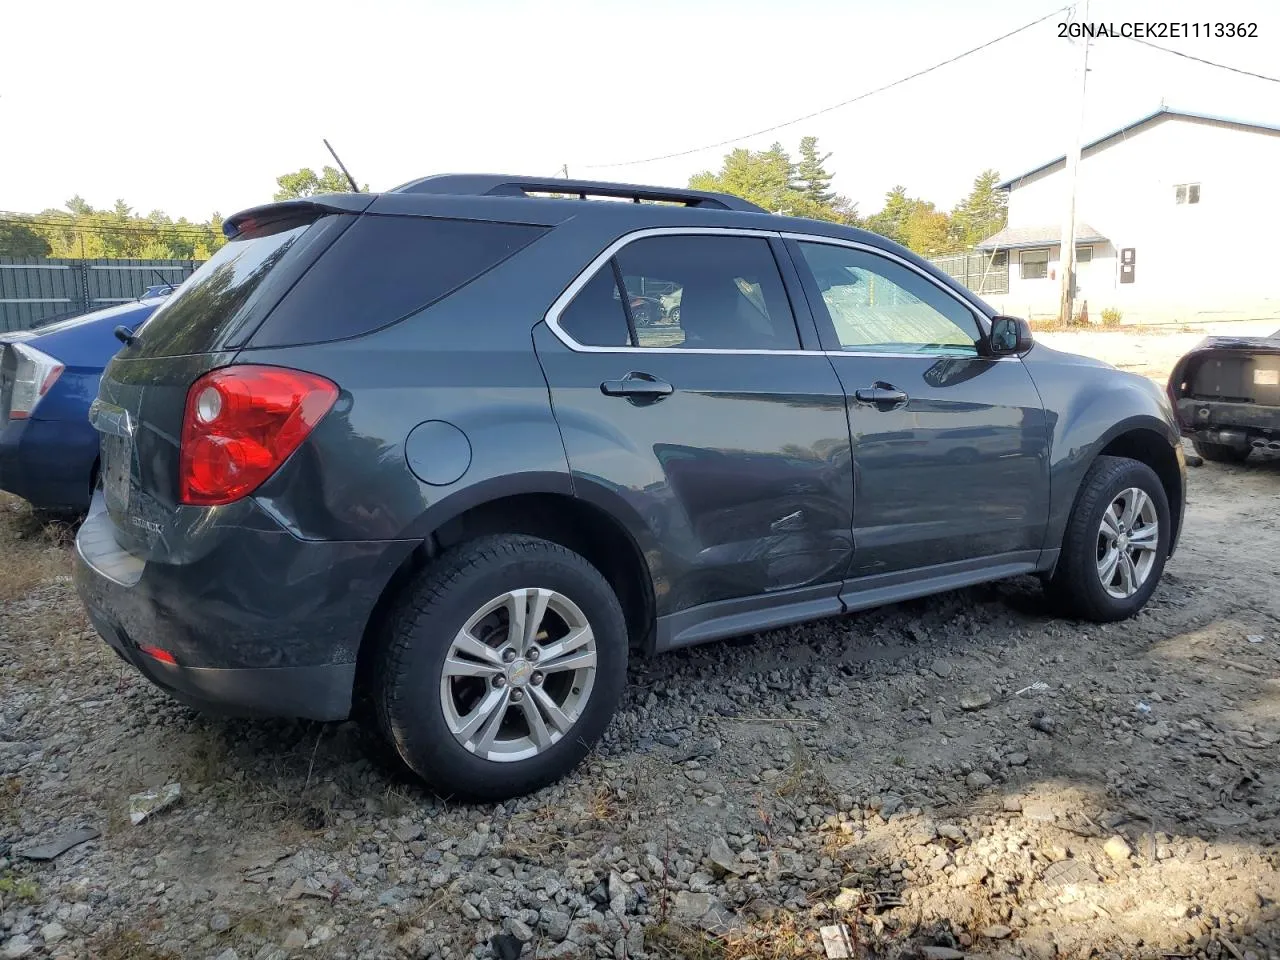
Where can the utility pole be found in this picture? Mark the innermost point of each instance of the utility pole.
(1067, 256)
(565, 170)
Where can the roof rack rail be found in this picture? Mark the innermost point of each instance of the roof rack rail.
(499, 185)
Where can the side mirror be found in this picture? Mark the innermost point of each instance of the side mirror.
(1010, 336)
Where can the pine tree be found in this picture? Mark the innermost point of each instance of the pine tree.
(812, 177)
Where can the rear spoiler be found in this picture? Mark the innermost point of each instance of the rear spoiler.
(294, 211)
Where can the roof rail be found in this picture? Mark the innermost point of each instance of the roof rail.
(499, 185)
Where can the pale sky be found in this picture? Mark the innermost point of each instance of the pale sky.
(196, 107)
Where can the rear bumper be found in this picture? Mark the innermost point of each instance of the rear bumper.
(1226, 421)
(261, 624)
(48, 462)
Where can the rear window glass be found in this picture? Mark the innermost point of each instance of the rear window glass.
(384, 268)
(192, 320)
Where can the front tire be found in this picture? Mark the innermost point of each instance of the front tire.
(1220, 452)
(1116, 542)
(502, 667)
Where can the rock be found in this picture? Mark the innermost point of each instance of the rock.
(1043, 724)
(53, 932)
(295, 939)
(950, 831)
(473, 845)
(977, 780)
(1117, 848)
(519, 929)
(940, 668)
(1017, 759)
(692, 906)
(506, 947)
(470, 911)
(407, 833)
(220, 923)
(997, 931)
(390, 896)
(1012, 805)
(847, 899)
(1038, 811)
(322, 933)
(228, 954)
(974, 699)
(968, 875)
(669, 739)
(17, 947)
(699, 749)
(941, 953)
(555, 923)
(722, 858)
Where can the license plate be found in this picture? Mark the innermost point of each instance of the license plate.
(1266, 378)
(117, 458)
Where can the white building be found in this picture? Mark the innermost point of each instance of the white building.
(1177, 219)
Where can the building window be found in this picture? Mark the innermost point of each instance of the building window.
(1186, 193)
(1033, 264)
(1000, 259)
(1084, 254)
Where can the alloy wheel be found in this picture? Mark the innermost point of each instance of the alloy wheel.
(1128, 538)
(518, 674)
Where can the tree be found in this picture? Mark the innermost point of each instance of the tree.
(813, 178)
(983, 212)
(19, 240)
(772, 180)
(916, 224)
(306, 183)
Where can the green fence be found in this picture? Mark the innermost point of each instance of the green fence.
(35, 291)
(983, 273)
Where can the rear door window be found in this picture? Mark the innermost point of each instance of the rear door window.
(385, 268)
(686, 292)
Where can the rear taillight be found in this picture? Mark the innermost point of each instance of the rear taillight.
(243, 422)
(36, 373)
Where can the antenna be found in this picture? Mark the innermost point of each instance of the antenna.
(347, 173)
(163, 280)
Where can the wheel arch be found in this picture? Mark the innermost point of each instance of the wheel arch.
(574, 522)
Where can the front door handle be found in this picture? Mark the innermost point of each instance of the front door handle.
(883, 395)
(640, 386)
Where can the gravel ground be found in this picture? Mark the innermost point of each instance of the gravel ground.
(962, 775)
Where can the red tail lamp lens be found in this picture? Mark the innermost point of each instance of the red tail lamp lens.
(155, 653)
(241, 424)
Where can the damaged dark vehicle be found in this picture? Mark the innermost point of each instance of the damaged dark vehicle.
(1227, 396)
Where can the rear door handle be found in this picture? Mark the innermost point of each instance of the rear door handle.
(639, 386)
(882, 395)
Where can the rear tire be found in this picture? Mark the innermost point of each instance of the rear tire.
(1111, 558)
(1220, 452)
(480, 707)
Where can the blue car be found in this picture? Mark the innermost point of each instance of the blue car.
(48, 378)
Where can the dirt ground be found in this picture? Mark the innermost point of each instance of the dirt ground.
(958, 776)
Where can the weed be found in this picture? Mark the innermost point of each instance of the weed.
(1111, 317)
(21, 889)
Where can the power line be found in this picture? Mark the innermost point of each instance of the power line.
(834, 106)
(141, 226)
(1209, 63)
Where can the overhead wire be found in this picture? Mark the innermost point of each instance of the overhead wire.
(835, 106)
(1209, 63)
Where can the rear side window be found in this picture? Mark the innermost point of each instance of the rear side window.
(384, 268)
(193, 320)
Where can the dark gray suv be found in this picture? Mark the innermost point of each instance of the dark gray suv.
(416, 447)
